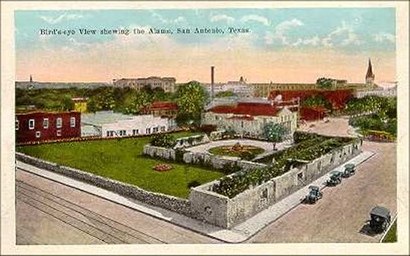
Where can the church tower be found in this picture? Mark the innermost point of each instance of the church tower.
(369, 74)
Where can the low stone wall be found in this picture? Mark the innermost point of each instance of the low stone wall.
(227, 212)
(172, 203)
(199, 158)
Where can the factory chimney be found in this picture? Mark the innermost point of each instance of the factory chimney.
(212, 82)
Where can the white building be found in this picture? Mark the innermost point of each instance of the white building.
(380, 91)
(250, 118)
(165, 83)
(110, 124)
(240, 88)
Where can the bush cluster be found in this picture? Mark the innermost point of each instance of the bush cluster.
(163, 140)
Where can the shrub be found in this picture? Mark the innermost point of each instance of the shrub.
(179, 155)
(163, 140)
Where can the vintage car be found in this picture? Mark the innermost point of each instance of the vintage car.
(314, 195)
(349, 170)
(335, 178)
(379, 219)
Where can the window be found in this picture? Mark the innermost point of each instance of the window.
(135, 132)
(242, 124)
(163, 128)
(58, 133)
(155, 129)
(148, 131)
(59, 122)
(38, 134)
(31, 124)
(72, 121)
(122, 132)
(110, 133)
(17, 124)
(45, 123)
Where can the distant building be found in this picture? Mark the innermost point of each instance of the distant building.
(165, 109)
(264, 89)
(165, 83)
(239, 88)
(80, 104)
(46, 126)
(110, 124)
(382, 92)
(250, 118)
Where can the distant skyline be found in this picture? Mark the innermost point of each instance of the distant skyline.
(283, 45)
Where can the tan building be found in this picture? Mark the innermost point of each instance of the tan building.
(250, 118)
(166, 83)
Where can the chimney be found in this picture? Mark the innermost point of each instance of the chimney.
(212, 82)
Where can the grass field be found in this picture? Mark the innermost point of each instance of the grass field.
(122, 160)
(391, 236)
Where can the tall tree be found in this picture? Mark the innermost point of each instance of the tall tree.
(191, 98)
(275, 132)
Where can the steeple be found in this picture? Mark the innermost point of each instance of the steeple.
(369, 74)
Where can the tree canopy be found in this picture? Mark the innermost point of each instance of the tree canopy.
(191, 98)
(275, 132)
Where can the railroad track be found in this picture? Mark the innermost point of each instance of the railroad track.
(94, 224)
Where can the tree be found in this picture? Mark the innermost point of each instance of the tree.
(324, 83)
(103, 99)
(225, 94)
(275, 132)
(317, 101)
(191, 98)
(136, 102)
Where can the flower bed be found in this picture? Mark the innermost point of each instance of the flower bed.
(162, 167)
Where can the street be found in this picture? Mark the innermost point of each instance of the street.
(48, 212)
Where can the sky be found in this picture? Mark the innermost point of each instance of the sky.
(281, 45)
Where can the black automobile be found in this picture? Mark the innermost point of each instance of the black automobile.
(335, 178)
(379, 219)
(349, 170)
(314, 195)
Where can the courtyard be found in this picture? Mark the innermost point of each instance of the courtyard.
(122, 160)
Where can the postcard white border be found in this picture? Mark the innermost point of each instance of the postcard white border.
(7, 140)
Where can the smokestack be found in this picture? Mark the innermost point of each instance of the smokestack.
(212, 82)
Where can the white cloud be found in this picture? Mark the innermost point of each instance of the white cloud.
(256, 18)
(177, 20)
(62, 17)
(381, 37)
(314, 41)
(280, 32)
(222, 17)
(343, 35)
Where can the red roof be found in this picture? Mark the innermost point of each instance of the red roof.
(252, 109)
(164, 105)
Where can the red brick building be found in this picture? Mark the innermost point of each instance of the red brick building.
(44, 126)
(163, 109)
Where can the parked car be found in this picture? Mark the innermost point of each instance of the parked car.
(314, 195)
(379, 219)
(349, 170)
(335, 178)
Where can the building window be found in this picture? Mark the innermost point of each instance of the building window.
(155, 129)
(163, 128)
(17, 124)
(122, 132)
(72, 121)
(38, 134)
(110, 133)
(242, 124)
(58, 133)
(135, 132)
(148, 131)
(59, 122)
(31, 124)
(45, 123)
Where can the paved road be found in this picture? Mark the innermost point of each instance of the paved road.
(52, 213)
(341, 214)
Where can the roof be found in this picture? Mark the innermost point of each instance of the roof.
(103, 117)
(380, 211)
(251, 109)
(38, 112)
(164, 105)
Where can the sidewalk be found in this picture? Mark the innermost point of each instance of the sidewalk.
(237, 234)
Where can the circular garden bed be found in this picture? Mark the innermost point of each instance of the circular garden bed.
(246, 152)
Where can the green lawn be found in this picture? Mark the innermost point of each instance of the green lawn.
(391, 236)
(122, 160)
